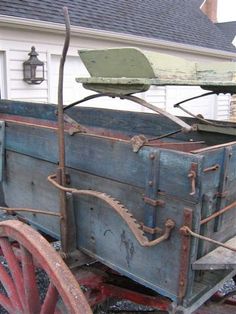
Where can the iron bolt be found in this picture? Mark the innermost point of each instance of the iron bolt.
(150, 183)
(152, 156)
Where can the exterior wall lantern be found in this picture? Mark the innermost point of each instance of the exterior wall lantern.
(33, 68)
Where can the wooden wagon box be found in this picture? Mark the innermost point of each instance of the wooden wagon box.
(181, 180)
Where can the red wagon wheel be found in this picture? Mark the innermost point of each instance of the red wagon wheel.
(20, 293)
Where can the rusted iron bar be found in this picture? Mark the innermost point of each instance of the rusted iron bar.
(212, 168)
(151, 230)
(122, 212)
(218, 213)
(192, 176)
(190, 113)
(61, 175)
(185, 253)
(61, 138)
(30, 210)
(185, 127)
(185, 230)
(192, 98)
(197, 116)
(152, 202)
(164, 135)
(169, 225)
(87, 98)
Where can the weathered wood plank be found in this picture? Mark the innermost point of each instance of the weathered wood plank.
(123, 122)
(220, 258)
(124, 66)
(98, 226)
(106, 157)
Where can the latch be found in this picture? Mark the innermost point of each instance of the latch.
(192, 176)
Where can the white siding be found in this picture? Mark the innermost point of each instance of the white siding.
(223, 107)
(74, 91)
(16, 44)
(205, 106)
(156, 95)
(3, 91)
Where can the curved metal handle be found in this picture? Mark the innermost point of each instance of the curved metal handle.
(122, 212)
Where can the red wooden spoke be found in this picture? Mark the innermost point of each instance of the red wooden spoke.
(10, 289)
(50, 301)
(32, 301)
(14, 267)
(35, 252)
(6, 303)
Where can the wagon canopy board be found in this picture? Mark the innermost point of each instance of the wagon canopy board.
(130, 70)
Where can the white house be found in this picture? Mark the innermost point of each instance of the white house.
(177, 27)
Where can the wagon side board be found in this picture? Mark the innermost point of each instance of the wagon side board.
(155, 184)
(109, 166)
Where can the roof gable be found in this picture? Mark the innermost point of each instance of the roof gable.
(179, 21)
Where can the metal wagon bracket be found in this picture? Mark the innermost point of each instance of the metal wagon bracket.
(123, 213)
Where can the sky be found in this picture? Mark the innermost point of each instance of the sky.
(226, 10)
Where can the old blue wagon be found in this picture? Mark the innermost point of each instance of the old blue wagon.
(146, 199)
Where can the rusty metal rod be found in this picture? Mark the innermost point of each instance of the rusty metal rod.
(204, 121)
(30, 210)
(169, 225)
(185, 127)
(218, 213)
(61, 175)
(61, 136)
(187, 231)
(212, 168)
(164, 135)
(192, 98)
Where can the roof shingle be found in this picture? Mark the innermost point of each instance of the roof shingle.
(179, 21)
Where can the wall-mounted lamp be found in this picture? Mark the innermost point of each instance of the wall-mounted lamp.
(33, 68)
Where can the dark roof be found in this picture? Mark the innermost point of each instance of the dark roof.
(228, 28)
(178, 21)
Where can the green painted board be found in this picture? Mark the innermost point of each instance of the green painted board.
(129, 70)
